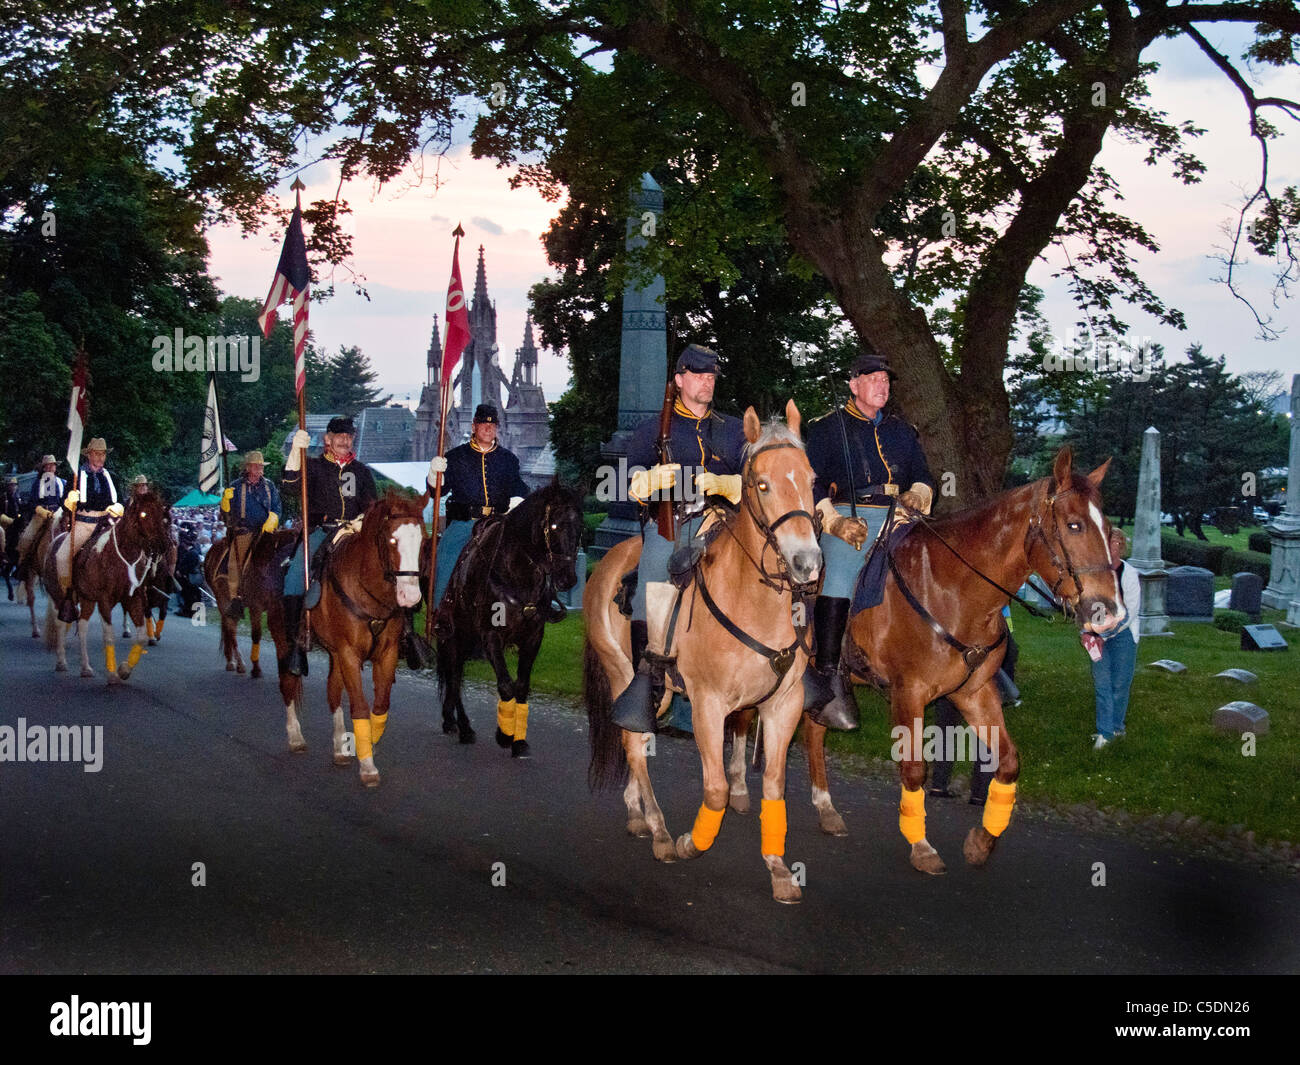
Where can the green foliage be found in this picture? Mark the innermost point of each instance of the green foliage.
(1261, 542)
(1247, 562)
(1178, 551)
(1230, 620)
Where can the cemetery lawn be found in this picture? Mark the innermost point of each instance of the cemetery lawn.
(1170, 760)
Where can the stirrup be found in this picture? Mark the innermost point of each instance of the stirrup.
(682, 562)
(633, 710)
(841, 713)
(416, 650)
(817, 690)
(296, 664)
(235, 609)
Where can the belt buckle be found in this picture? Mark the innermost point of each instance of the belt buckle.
(486, 511)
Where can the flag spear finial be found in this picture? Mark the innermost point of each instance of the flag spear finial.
(457, 232)
(297, 188)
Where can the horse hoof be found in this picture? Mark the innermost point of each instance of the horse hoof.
(686, 848)
(739, 803)
(257, 672)
(638, 828)
(448, 727)
(978, 846)
(153, 642)
(370, 780)
(123, 672)
(665, 851)
(342, 759)
(87, 672)
(60, 667)
(230, 667)
(927, 860)
(519, 749)
(239, 668)
(786, 891)
(832, 824)
(35, 635)
(468, 736)
(503, 741)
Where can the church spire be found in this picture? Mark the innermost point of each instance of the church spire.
(480, 281)
(435, 351)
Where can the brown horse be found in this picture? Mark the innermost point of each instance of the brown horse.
(371, 578)
(741, 640)
(256, 602)
(939, 628)
(110, 566)
(33, 542)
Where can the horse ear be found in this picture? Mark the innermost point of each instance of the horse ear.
(752, 426)
(1100, 472)
(1061, 468)
(792, 417)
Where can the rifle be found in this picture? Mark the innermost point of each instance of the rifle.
(667, 511)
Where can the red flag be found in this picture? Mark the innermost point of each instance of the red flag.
(458, 335)
(291, 281)
(78, 411)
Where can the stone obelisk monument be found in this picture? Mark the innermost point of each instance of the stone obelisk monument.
(1283, 591)
(1145, 556)
(642, 374)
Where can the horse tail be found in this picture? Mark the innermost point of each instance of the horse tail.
(608, 765)
(51, 624)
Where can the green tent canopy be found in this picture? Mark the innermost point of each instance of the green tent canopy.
(195, 498)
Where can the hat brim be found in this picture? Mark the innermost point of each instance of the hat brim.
(690, 369)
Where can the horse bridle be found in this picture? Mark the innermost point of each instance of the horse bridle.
(390, 575)
(750, 481)
(1064, 566)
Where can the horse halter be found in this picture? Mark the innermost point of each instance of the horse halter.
(750, 480)
(1062, 563)
(391, 575)
(551, 556)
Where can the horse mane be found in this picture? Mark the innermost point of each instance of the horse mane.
(391, 503)
(527, 514)
(774, 431)
(1078, 482)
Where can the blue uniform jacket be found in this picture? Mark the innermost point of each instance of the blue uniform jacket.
(252, 504)
(97, 490)
(47, 491)
(883, 450)
(714, 443)
(477, 478)
(334, 493)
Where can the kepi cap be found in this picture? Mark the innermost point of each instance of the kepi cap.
(340, 425)
(869, 362)
(485, 412)
(697, 359)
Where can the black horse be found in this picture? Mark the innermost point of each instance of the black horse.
(502, 593)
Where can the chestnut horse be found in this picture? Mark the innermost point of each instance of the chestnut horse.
(257, 602)
(939, 628)
(111, 563)
(502, 593)
(33, 542)
(741, 640)
(371, 578)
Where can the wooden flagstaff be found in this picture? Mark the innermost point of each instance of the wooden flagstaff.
(297, 188)
(444, 408)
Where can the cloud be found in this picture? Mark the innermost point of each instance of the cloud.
(487, 225)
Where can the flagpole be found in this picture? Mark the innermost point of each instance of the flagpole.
(297, 187)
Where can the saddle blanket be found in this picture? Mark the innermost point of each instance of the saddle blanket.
(870, 587)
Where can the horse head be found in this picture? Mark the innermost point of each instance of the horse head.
(1068, 542)
(550, 522)
(395, 525)
(776, 487)
(146, 521)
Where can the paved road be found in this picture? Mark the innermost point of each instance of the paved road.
(306, 871)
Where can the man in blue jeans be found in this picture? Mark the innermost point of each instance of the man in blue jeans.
(1114, 656)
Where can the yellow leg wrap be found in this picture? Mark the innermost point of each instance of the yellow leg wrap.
(157, 629)
(772, 820)
(148, 627)
(506, 716)
(911, 815)
(521, 721)
(377, 724)
(998, 807)
(707, 823)
(110, 658)
(133, 659)
(256, 652)
(361, 733)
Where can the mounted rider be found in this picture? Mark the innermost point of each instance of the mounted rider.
(868, 465)
(339, 489)
(707, 449)
(43, 501)
(483, 479)
(251, 504)
(93, 499)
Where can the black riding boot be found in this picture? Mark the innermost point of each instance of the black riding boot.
(414, 648)
(634, 710)
(295, 663)
(830, 617)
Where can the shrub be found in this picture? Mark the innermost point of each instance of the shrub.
(1181, 551)
(1260, 541)
(1230, 620)
(1247, 562)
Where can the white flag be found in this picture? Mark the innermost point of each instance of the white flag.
(211, 447)
(78, 409)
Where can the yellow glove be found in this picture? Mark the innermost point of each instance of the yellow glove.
(918, 497)
(853, 531)
(44, 512)
(115, 509)
(72, 499)
(646, 482)
(719, 484)
(5, 521)
(272, 522)
(226, 497)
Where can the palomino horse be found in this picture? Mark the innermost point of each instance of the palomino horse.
(939, 628)
(741, 640)
(256, 602)
(33, 542)
(110, 566)
(502, 594)
(371, 578)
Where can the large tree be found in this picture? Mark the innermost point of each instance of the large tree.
(920, 155)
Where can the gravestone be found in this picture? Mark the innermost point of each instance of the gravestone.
(1238, 717)
(1169, 665)
(1283, 591)
(1153, 614)
(1189, 594)
(1243, 675)
(1246, 591)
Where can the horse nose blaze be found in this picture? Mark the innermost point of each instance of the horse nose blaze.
(408, 539)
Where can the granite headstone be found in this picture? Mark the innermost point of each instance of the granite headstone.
(1189, 594)
(1247, 589)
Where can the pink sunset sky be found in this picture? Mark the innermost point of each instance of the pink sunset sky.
(402, 243)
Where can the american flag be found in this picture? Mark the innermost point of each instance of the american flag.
(292, 279)
(458, 334)
(78, 411)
